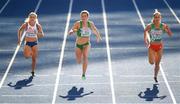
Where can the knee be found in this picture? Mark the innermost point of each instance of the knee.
(85, 59)
(78, 61)
(27, 55)
(151, 62)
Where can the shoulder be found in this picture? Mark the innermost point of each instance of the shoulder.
(91, 22)
(25, 24)
(148, 26)
(77, 22)
(164, 25)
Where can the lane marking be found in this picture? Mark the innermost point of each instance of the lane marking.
(62, 53)
(172, 11)
(108, 53)
(14, 55)
(4, 6)
(161, 69)
(37, 7)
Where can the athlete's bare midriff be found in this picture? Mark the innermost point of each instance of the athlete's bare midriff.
(82, 40)
(28, 39)
(156, 43)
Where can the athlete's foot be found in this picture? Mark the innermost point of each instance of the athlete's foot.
(83, 77)
(155, 79)
(32, 74)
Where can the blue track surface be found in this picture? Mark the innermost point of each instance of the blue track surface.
(132, 74)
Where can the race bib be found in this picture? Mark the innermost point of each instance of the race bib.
(31, 35)
(156, 35)
(85, 32)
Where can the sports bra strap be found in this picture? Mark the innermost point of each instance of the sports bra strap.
(88, 24)
(80, 24)
(153, 26)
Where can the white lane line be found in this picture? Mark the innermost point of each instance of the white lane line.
(62, 53)
(161, 69)
(108, 53)
(139, 14)
(167, 84)
(37, 7)
(4, 6)
(12, 59)
(11, 62)
(172, 11)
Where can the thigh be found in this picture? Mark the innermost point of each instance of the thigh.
(86, 51)
(78, 52)
(27, 50)
(35, 51)
(158, 56)
(151, 55)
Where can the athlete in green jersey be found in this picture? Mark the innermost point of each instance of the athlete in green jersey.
(83, 29)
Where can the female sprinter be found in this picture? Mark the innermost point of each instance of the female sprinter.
(33, 31)
(155, 46)
(83, 29)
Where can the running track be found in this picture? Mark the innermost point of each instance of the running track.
(118, 68)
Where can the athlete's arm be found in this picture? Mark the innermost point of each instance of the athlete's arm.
(40, 33)
(167, 29)
(147, 29)
(20, 32)
(74, 28)
(96, 32)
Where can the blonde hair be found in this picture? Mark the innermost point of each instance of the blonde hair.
(84, 11)
(155, 12)
(30, 14)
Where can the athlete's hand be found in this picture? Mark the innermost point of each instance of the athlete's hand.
(19, 42)
(72, 31)
(146, 43)
(167, 29)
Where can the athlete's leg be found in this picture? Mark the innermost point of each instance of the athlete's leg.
(85, 58)
(78, 53)
(27, 51)
(34, 57)
(151, 56)
(158, 57)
